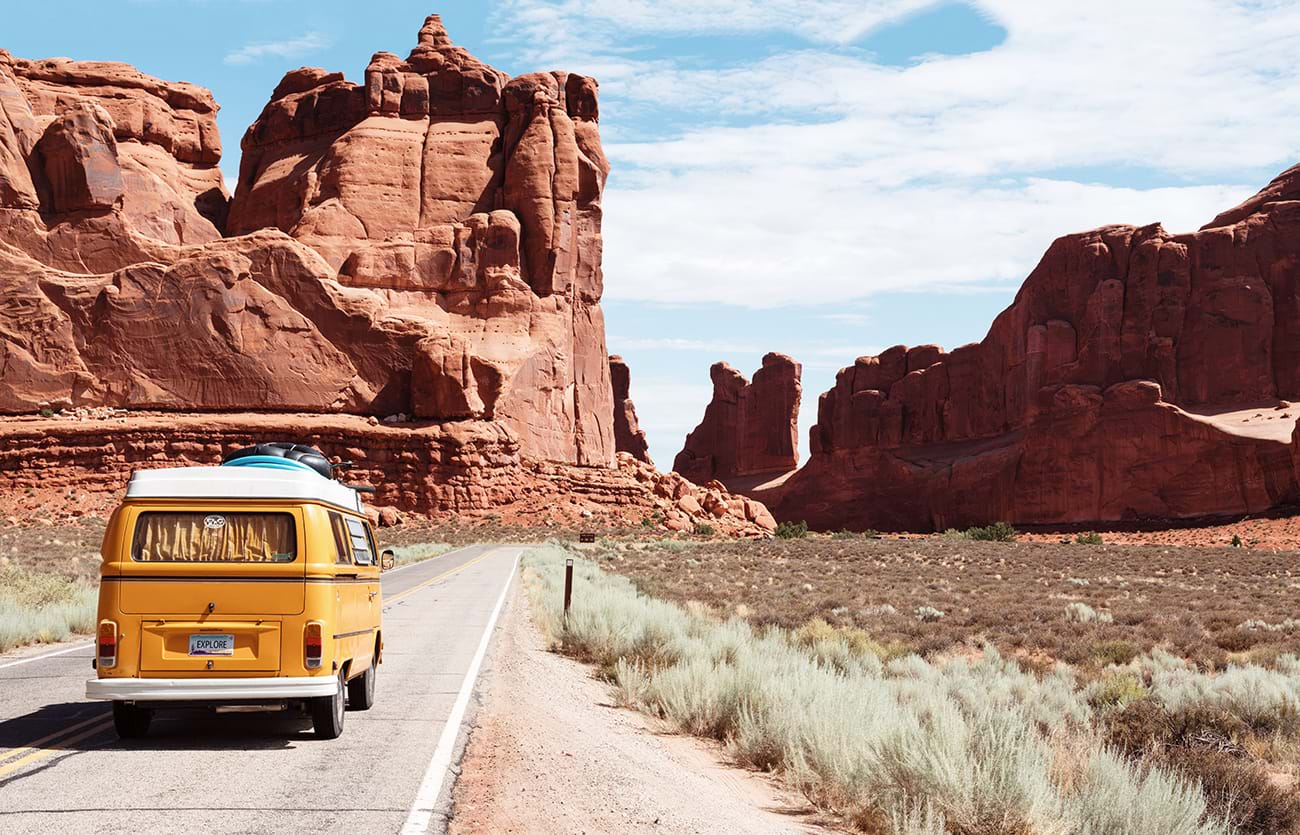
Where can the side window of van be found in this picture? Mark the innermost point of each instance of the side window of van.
(361, 549)
(341, 539)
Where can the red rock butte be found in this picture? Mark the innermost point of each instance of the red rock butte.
(425, 244)
(1138, 375)
(749, 428)
(628, 435)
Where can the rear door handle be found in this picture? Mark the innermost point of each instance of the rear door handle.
(373, 595)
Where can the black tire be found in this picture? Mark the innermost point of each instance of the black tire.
(327, 713)
(130, 721)
(302, 453)
(361, 690)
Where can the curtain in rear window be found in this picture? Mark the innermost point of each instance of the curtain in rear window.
(171, 536)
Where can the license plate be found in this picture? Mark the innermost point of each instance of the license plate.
(212, 645)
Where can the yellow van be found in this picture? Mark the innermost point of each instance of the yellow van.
(252, 585)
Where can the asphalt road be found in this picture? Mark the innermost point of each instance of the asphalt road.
(63, 769)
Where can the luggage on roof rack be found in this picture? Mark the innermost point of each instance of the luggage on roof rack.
(280, 454)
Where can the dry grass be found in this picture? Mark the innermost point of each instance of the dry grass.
(965, 745)
(1030, 599)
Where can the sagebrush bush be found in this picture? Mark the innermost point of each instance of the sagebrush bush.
(959, 745)
(1083, 613)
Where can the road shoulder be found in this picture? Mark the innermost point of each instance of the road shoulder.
(549, 752)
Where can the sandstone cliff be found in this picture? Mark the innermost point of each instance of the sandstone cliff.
(749, 428)
(628, 435)
(1138, 374)
(423, 247)
(426, 243)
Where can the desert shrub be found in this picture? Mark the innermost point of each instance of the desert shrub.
(997, 532)
(704, 529)
(958, 745)
(844, 534)
(1118, 652)
(1089, 538)
(928, 614)
(39, 607)
(1083, 613)
(1116, 691)
(792, 530)
(1238, 790)
(1266, 700)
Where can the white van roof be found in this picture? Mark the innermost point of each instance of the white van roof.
(240, 483)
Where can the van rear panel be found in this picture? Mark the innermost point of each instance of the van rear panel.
(176, 594)
(216, 645)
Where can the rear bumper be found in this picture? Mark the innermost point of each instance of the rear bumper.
(210, 690)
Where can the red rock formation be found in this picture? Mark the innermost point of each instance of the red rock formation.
(427, 243)
(748, 428)
(628, 435)
(79, 462)
(1105, 392)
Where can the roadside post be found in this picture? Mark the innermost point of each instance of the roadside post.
(568, 586)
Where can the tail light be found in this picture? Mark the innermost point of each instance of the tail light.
(312, 645)
(106, 651)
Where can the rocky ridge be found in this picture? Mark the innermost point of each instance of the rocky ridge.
(1137, 375)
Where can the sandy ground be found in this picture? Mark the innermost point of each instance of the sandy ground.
(550, 754)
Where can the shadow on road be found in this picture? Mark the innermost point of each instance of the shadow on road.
(182, 729)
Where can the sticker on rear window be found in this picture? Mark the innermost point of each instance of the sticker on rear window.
(214, 522)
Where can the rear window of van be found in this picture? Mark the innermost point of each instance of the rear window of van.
(185, 536)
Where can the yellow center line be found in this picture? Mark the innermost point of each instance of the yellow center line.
(62, 744)
(13, 752)
(399, 597)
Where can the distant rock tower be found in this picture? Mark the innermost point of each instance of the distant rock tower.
(748, 428)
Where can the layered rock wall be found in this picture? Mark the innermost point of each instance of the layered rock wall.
(1098, 395)
(749, 428)
(425, 243)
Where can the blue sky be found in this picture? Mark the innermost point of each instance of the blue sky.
(824, 178)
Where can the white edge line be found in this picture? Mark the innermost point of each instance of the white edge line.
(417, 821)
(63, 651)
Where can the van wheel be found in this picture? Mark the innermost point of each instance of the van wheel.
(130, 721)
(327, 713)
(361, 690)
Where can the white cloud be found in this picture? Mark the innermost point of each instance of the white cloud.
(829, 21)
(287, 48)
(818, 176)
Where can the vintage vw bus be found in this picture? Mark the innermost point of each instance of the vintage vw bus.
(254, 584)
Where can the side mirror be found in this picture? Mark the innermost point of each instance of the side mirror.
(387, 559)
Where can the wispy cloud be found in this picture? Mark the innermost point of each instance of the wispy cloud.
(812, 174)
(287, 48)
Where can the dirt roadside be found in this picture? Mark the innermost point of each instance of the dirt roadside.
(550, 753)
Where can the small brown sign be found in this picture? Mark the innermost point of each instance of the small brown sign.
(586, 537)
